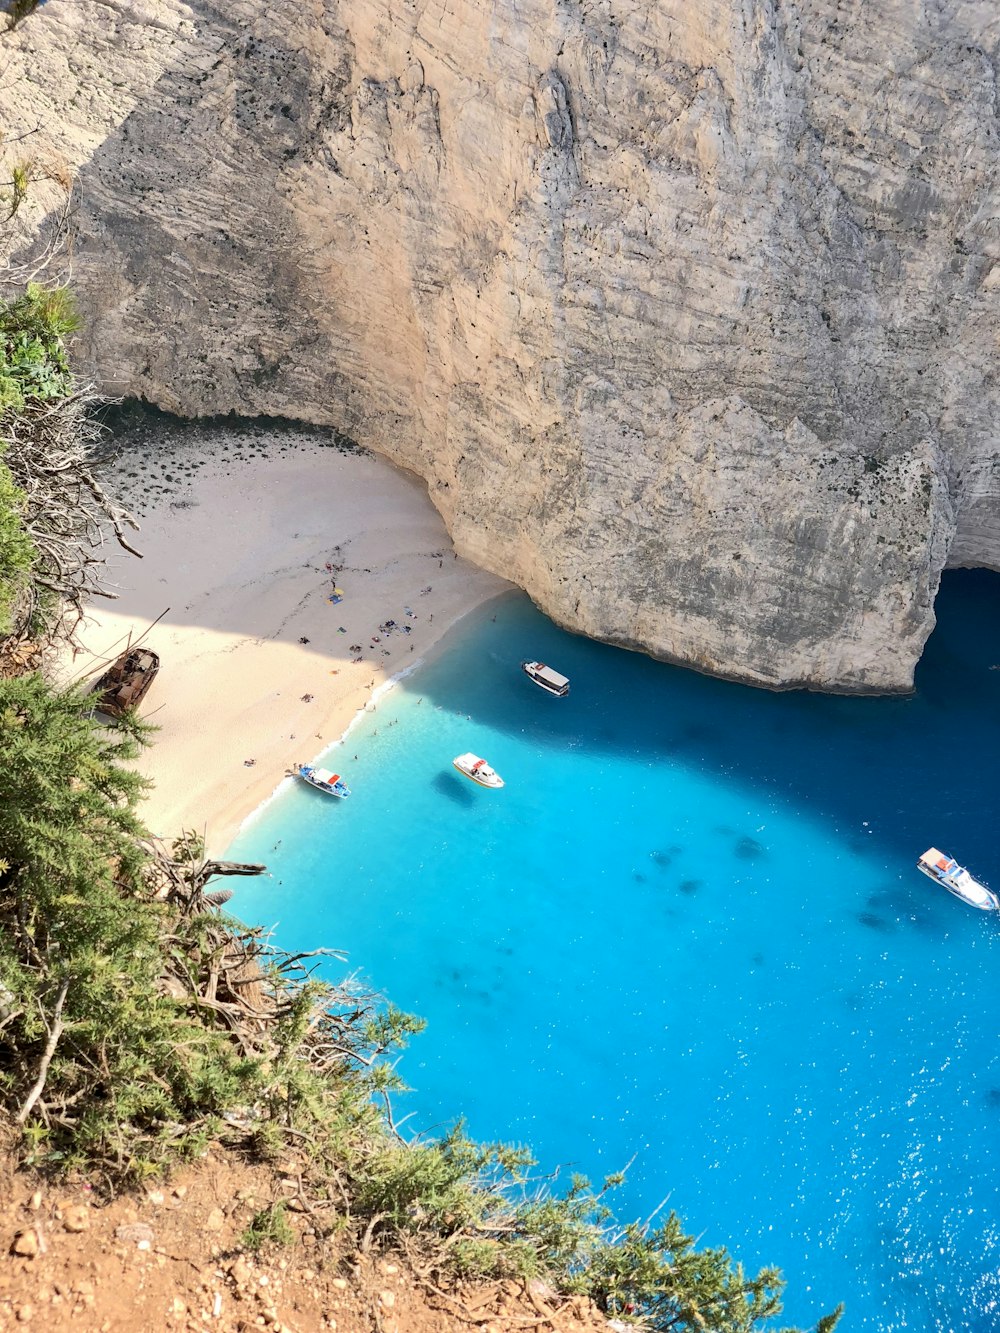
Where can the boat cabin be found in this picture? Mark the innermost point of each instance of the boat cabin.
(937, 863)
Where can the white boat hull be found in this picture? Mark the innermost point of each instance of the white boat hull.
(478, 770)
(966, 888)
(340, 790)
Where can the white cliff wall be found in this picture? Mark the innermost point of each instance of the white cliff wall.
(686, 312)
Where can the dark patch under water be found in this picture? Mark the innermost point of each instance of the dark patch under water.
(875, 922)
(749, 849)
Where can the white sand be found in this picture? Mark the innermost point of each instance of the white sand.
(237, 550)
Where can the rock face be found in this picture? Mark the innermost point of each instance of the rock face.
(686, 312)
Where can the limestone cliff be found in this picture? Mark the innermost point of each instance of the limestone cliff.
(686, 312)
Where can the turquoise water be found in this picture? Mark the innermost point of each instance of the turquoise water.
(689, 934)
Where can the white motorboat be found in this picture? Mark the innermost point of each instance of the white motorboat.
(957, 880)
(478, 770)
(323, 780)
(545, 678)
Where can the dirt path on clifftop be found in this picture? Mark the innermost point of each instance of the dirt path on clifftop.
(170, 1257)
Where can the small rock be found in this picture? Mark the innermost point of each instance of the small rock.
(24, 1312)
(36, 1201)
(387, 1299)
(178, 1308)
(25, 1244)
(75, 1218)
(240, 1272)
(390, 1270)
(179, 1191)
(543, 1290)
(155, 1197)
(135, 1232)
(216, 1220)
(340, 1283)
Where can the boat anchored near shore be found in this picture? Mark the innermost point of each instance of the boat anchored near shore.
(546, 679)
(323, 780)
(478, 770)
(944, 870)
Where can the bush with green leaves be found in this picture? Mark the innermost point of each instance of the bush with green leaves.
(478, 1198)
(127, 1071)
(17, 552)
(34, 366)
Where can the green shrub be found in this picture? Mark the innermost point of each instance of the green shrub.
(33, 363)
(268, 1227)
(17, 553)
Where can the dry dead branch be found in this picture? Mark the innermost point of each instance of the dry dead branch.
(55, 1029)
(49, 449)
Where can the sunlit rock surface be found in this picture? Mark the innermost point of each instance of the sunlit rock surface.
(686, 312)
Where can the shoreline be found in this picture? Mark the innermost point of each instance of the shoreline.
(245, 535)
(381, 690)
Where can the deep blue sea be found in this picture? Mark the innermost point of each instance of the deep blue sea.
(689, 934)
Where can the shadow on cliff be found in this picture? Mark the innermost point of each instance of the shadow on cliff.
(894, 774)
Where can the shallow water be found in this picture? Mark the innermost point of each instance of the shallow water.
(689, 934)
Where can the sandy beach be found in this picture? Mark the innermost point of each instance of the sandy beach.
(245, 535)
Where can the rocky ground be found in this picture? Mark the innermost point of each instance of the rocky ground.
(172, 1256)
